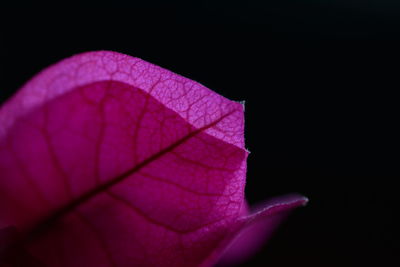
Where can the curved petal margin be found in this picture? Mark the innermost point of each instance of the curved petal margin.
(255, 227)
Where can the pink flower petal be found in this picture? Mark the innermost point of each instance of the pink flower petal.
(253, 229)
(258, 228)
(107, 160)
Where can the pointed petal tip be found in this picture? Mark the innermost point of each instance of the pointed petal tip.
(305, 201)
(293, 198)
(279, 204)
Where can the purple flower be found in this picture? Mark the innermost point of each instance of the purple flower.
(107, 160)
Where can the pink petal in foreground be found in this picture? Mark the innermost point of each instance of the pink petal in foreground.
(107, 160)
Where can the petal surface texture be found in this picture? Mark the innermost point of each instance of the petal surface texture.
(107, 160)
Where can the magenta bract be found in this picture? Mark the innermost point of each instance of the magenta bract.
(107, 160)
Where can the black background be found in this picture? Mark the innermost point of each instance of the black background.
(319, 80)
